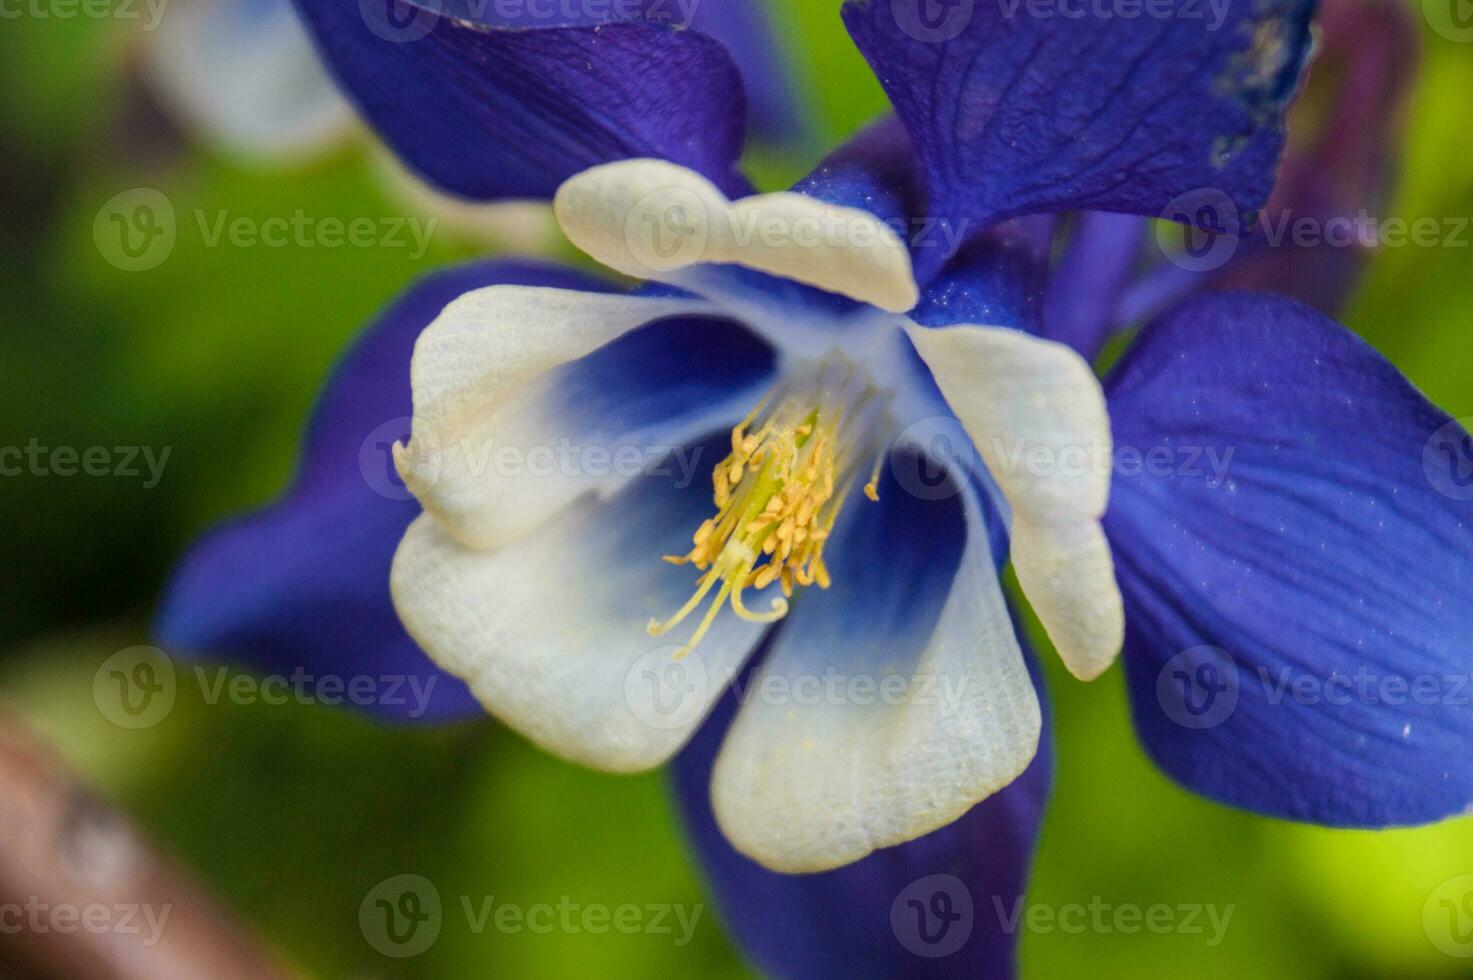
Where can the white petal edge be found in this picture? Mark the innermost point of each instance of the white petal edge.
(1035, 411)
(652, 218)
(811, 787)
(480, 378)
(526, 227)
(549, 633)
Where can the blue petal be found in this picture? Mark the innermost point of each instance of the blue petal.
(994, 276)
(490, 112)
(857, 921)
(1092, 276)
(648, 380)
(997, 279)
(1340, 169)
(1300, 630)
(305, 583)
(1343, 167)
(876, 170)
(1016, 113)
(746, 29)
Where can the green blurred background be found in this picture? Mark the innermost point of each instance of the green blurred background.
(294, 813)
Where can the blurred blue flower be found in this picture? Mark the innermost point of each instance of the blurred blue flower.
(246, 76)
(869, 362)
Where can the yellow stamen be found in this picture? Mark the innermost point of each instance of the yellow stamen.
(775, 507)
(872, 488)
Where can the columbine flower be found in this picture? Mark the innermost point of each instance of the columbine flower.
(807, 376)
(585, 569)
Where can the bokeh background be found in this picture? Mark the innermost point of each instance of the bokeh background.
(293, 813)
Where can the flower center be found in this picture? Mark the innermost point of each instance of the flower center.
(794, 460)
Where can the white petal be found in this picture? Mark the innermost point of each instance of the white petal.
(652, 218)
(811, 781)
(487, 405)
(246, 74)
(526, 227)
(550, 632)
(1036, 413)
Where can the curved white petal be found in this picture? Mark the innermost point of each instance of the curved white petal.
(246, 75)
(652, 219)
(912, 715)
(550, 632)
(1035, 411)
(526, 227)
(492, 453)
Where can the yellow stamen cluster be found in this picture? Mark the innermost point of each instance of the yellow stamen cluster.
(777, 496)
